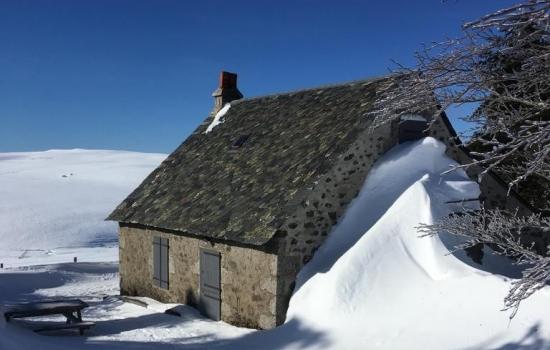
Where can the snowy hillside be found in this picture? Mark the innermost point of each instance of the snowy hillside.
(53, 203)
(374, 284)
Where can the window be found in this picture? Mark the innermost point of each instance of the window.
(412, 127)
(160, 262)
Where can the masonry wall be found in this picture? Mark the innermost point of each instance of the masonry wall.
(248, 276)
(302, 234)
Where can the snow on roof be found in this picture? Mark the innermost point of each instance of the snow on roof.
(218, 118)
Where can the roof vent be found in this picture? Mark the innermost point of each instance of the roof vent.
(227, 91)
(240, 141)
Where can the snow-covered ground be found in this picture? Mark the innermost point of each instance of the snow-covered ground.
(373, 285)
(53, 204)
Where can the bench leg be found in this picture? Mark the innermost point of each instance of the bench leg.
(71, 318)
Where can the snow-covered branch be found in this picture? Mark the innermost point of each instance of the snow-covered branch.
(509, 235)
(501, 64)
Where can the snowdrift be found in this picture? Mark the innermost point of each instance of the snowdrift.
(54, 200)
(394, 290)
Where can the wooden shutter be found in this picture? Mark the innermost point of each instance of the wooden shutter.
(156, 261)
(164, 263)
(160, 262)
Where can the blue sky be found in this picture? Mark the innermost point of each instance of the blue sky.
(138, 75)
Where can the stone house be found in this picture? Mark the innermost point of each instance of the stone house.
(227, 221)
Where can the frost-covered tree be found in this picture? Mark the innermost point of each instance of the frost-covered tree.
(509, 235)
(516, 50)
(502, 65)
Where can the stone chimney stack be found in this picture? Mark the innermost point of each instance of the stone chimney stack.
(227, 91)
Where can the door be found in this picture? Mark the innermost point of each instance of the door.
(210, 284)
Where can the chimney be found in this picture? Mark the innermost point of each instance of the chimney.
(227, 91)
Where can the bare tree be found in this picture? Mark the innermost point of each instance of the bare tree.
(515, 101)
(502, 65)
(511, 236)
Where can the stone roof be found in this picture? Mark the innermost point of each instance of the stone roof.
(209, 187)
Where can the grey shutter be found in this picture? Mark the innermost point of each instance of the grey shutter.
(156, 261)
(164, 263)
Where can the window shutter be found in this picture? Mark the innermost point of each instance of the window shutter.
(164, 263)
(157, 261)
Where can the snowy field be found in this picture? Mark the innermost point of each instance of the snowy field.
(373, 285)
(53, 203)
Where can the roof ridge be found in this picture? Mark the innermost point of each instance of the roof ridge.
(320, 87)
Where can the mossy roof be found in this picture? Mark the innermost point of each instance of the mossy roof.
(206, 187)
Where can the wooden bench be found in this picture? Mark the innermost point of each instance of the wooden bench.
(62, 326)
(71, 309)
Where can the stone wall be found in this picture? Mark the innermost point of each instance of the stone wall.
(303, 233)
(248, 276)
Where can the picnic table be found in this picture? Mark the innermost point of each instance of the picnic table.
(71, 309)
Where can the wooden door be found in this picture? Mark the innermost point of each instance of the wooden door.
(210, 284)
